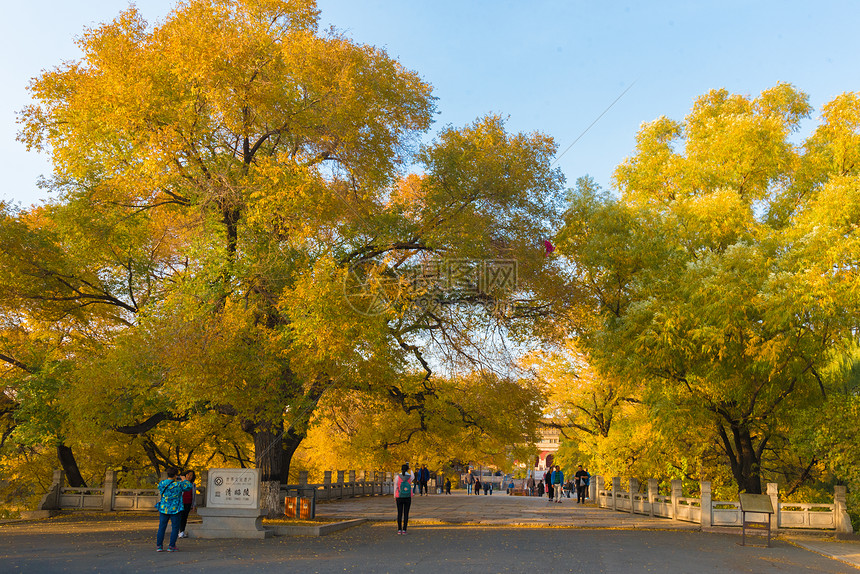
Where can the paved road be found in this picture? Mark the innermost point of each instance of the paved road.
(111, 543)
(127, 547)
(498, 509)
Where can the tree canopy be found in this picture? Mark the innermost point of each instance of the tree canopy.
(722, 276)
(234, 237)
(254, 244)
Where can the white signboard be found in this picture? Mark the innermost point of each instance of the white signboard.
(233, 488)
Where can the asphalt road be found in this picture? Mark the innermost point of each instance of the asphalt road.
(126, 544)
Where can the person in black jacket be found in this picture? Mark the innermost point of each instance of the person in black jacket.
(580, 479)
(547, 480)
(423, 479)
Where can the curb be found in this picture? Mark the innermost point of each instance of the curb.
(321, 530)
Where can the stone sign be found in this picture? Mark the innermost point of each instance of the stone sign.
(233, 488)
(232, 506)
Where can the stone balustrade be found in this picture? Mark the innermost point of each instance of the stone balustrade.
(108, 497)
(708, 512)
(346, 484)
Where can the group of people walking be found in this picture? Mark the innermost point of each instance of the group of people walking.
(555, 487)
(553, 484)
(474, 485)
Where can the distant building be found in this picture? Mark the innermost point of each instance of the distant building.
(547, 447)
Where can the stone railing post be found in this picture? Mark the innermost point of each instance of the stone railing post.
(341, 482)
(677, 492)
(653, 492)
(109, 491)
(598, 486)
(592, 489)
(51, 500)
(352, 483)
(840, 511)
(773, 493)
(706, 504)
(616, 488)
(327, 484)
(632, 488)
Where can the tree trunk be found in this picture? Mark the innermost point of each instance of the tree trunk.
(750, 478)
(292, 440)
(70, 466)
(268, 451)
(270, 498)
(743, 458)
(274, 447)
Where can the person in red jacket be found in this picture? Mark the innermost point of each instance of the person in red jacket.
(189, 503)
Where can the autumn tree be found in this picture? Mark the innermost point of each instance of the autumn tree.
(354, 430)
(216, 206)
(703, 272)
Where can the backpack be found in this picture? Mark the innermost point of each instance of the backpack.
(405, 487)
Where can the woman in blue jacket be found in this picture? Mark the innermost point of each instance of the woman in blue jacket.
(170, 508)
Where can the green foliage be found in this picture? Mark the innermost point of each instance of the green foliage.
(722, 278)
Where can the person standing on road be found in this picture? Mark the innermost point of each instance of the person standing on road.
(470, 482)
(447, 486)
(188, 503)
(403, 496)
(587, 484)
(581, 479)
(558, 483)
(425, 478)
(477, 486)
(547, 480)
(530, 484)
(170, 508)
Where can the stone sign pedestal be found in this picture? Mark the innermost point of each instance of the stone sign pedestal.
(229, 523)
(232, 506)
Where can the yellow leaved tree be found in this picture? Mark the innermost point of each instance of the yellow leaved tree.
(231, 206)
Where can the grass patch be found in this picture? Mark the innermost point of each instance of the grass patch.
(299, 522)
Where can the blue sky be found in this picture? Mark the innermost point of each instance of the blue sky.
(549, 66)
